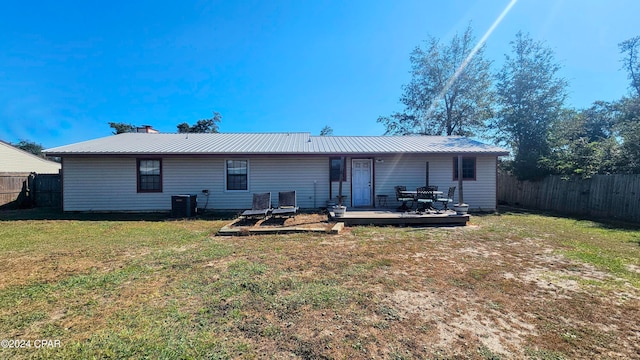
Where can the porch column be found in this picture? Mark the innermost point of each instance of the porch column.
(460, 191)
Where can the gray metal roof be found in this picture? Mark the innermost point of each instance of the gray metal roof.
(271, 143)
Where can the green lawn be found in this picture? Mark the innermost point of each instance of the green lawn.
(514, 285)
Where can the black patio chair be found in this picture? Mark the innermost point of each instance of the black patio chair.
(286, 204)
(261, 206)
(424, 196)
(404, 198)
(446, 200)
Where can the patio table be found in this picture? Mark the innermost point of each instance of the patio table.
(414, 195)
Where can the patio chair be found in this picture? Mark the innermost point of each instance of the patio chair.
(286, 204)
(424, 196)
(446, 200)
(404, 198)
(260, 207)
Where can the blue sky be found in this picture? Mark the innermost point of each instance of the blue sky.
(67, 68)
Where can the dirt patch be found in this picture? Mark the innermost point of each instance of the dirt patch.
(300, 221)
(45, 268)
(498, 332)
(633, 268)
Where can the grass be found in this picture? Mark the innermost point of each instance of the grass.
(614, 250)
(514, 285)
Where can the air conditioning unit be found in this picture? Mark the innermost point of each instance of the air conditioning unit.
(184, 206)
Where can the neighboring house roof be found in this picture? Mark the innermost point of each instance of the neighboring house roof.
(271, 143)
(13, 159)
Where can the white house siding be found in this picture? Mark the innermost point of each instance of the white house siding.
(104, 184)
(274, 174)
(410, 171)
(15, 160)
(109, 184)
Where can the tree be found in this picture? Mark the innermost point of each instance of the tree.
(120, 128)
(326, 131)
(629, 132)
(530, 96)
(583, 142)
(449, 92)
(631, 60)
(183, 128)
(30, 147)
(629, 109)
(202, 126)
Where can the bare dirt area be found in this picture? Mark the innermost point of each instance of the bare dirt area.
(300, 221)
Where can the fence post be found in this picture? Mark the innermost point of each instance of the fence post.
(31, 190)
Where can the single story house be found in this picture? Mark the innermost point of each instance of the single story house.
(14, 160)
(141, 171)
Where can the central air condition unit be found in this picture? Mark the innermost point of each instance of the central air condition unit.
(184, 206)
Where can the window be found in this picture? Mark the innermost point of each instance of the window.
(149, 175)
(468, 168)
(335, 169)
(237, 171)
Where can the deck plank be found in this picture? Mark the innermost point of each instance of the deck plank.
(382, 217)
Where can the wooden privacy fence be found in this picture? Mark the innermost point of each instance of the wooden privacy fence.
(13, 188)
(602, 196)
(19, 190)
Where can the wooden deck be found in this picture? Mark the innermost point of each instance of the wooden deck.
(390, 217)
(301, 223)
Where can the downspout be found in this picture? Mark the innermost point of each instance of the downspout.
(61, 172)
(496, 196)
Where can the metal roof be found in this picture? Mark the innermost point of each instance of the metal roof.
(271, 143)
